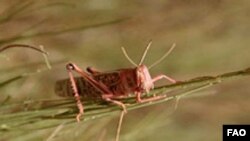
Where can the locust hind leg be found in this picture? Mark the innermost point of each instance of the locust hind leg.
(75, 91)
(107, 94)
(92, 70)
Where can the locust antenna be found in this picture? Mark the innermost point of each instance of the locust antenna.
(163, 57)
(126, 55)
(145, 52)
(24, 46)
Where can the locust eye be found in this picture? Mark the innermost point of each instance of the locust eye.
(140, 78)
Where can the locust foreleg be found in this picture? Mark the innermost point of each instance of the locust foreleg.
(162, 76)
(138, 94)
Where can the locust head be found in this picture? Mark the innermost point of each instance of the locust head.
(143, 79)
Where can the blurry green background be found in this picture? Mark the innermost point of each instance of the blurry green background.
(212, 37)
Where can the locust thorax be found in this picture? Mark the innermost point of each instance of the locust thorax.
(143, 79)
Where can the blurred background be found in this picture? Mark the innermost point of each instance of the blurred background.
(212, 37)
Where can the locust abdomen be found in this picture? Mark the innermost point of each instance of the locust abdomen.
(119, 83)
(85, 89)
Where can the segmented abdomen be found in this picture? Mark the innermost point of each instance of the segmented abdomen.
(85, 89)
(117, 82)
